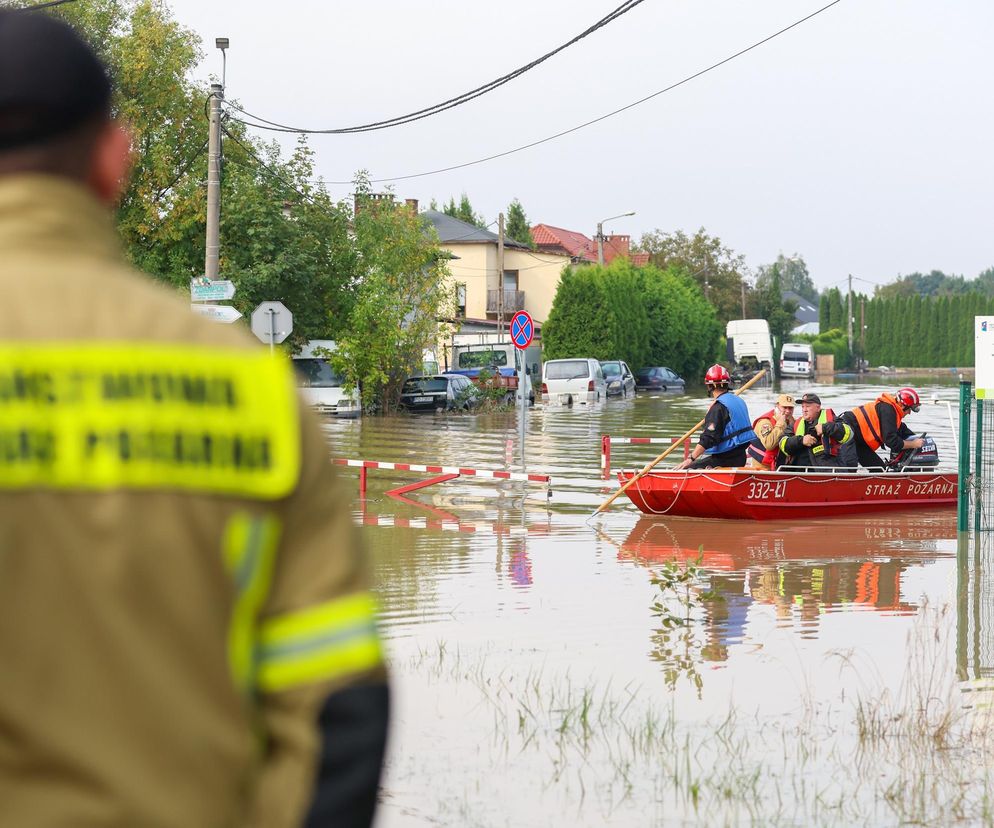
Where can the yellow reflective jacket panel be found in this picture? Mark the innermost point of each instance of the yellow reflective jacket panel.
(180, 581)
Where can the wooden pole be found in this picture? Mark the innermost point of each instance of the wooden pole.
(646, 469)
(500, 277)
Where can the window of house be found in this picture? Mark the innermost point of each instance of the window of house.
(460, 299)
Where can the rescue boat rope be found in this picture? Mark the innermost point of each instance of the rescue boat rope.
(676, 497)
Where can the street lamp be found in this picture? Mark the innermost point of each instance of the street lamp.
(222, 44)
(600, 234)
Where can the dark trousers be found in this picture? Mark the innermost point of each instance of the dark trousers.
(732, 458)
(857, 451)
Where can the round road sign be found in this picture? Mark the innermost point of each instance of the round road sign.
(522, 330)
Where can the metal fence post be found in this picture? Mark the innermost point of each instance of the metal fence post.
(963, 505)
(977, 481)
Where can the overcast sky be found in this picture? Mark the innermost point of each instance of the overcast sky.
(861, 140)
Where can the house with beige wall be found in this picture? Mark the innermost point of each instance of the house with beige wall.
(531, 277)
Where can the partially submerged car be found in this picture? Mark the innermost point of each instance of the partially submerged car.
(438, 392)
(619, 378)
(658, 378)
(569, 381)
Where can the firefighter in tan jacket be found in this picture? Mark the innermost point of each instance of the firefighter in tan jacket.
(764, 451)
(187, 637)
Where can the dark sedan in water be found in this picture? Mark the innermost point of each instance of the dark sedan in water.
(439, 392)
(657, 378)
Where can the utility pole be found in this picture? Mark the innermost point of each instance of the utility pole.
(600, 243)
(214, 184)
(500, 276)
(743, 283)
(849, 313)
(862, 331)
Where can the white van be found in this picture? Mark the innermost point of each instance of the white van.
(568, 381)
(797, 359)
(320, 385)
(749, 343)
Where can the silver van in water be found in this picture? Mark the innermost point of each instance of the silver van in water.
(569, 381)
(797, 359)
(320, 385)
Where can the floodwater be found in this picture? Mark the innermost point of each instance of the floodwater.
(553, 671)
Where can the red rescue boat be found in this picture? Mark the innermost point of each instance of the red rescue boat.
(753, 494)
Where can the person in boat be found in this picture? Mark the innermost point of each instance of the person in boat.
(727, 427)
(770, 428)
(881, 423)
(817, 438)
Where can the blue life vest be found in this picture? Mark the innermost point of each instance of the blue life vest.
(739, 431)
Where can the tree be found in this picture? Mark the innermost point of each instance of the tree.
(641, 315)
(464, 211)
(402, 291)
(581, 320)
(283, 239)
(161, 213)
(517, 226)
(836, 311)
(372, 281)
(823, 311)
(984, 282)
(793, 276)
(715, 267)
(934, 283)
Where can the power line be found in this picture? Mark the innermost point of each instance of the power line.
(277, 175)
(451, 103)
(611, 114)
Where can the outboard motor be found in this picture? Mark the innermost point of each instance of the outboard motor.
(926, 457)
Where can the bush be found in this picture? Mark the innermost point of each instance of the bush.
(832, 342)
(645, 316)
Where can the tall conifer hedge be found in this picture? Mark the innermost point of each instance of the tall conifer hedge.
(645, 316)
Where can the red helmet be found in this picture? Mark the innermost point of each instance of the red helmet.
(908, 397)
(717, 375)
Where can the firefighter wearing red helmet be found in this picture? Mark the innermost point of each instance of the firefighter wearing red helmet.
(727, 426)
(881, 423)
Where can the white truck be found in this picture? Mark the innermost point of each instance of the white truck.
(471, 353)
(749, 344)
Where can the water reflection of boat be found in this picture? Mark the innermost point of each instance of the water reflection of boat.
(761, 495)
(732, 546)
(799, 571)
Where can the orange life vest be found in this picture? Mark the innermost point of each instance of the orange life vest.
(755, 450)
(869, 421)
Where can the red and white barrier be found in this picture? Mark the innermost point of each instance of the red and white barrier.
(446, 472)
(476, 527)
(607, 439)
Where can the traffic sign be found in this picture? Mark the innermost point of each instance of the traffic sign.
(522, 330)
(203, 290)
(219, 313)
(272, 322)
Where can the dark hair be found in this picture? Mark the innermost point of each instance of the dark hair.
(54, 96)
(68, 154)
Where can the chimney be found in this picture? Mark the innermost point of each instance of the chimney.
(374, 200)
(617, 246)
(412, 205)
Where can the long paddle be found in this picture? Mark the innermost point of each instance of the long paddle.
(645, 470)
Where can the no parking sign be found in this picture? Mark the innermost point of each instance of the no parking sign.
(522, 330)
